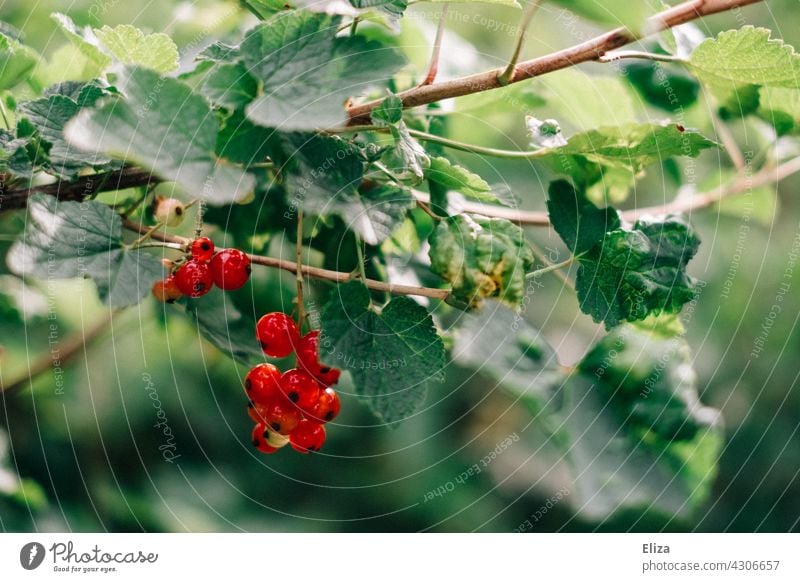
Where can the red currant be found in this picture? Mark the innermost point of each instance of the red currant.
(278, 334)
(282, 417)
(167, 290)
(193, 278)
(300, 388)
(259, 441)
(202, 249)
(274, 439)
(327, 407)
(231, 269)
(255, 411)
(307, 437)
(261, 383)
(308, 359)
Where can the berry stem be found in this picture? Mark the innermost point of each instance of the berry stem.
(299, 270)
(362, 271)
(147, 234)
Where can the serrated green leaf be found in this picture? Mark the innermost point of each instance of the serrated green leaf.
(239, 140)
(64, 240)
(481, 257)
(781, 108)
(161, 125)
(50, 116)
(229, 85)
(15, 158)
(267, 8)
(579, 223)
(635, 272)
(392, 7)
(393, 355)
(512, 3)
(631, 15)
(649, 380)
(131, 46)
(16, 62)
(615, 468)
(455, 177)
(84, 39)
(500, 344)
(308, 72)
(736, 62)
(221, 323)
(668, 87)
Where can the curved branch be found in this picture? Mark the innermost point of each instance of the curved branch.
(307, 270)
(586, 51)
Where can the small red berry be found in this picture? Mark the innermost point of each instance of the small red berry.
(278, 334)
(261, 383)
(274, 439)
(327, 407)
(230, 269)
(193, 278)
(300, 388)
(202, 249)
(167, 290)
(308, 359)
(307, 437)
(255, 411)
(259, 441)
(282, 417)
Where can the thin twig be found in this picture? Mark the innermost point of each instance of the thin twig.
(539, 254)
(586, 51)
(433, 67)
(530, 10)
(551, 268)
(73, 346)
(617, 55)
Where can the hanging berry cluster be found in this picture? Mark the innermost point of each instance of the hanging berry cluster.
(228, 269)
(290, 407)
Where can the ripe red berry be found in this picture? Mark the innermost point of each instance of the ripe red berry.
(261, 383)
(259, 441)
(282, 417)
(167, 290)
(202, 249)
(307, 437)
(327, 407)
(308, 360)
(230, 269)
(300, 388)
(274, 439)
(278, 334)
(193, 278)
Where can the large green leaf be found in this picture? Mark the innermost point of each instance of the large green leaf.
(221, 323)
(16, 62)
(781, 107)
(638, 271)
(64, 240)
(308, 72)
(631, 15)
(162, 125)
(455, 177)
(500, 344)
(737, 60)
(393, 355)
(229, 85)
(481, 257)
(579, 223)
(15, 157)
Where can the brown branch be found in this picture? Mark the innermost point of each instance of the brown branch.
(72, 347)
(586, 51)
(308, 271)
(81, 188)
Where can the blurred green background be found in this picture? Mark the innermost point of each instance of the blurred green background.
(89, 452)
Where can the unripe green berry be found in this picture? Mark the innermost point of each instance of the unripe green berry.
(169, 211)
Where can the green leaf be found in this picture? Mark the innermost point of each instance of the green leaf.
(579, 223)
(668, 87)
(16, 62)
(616, 467)
(458, 178)
(512, 3)
(64, 240)
(229, 85)
(781, 107)
(222, 324)
(481, 257)
(635, 272)
(736, 60)
(131, 46)
(389, 112)
(15, 158)
(631, 15)
(165, 127)
(50, 115)
(649, 380)
(393, 7)
(124, 43)
(502, 345)
(308, 72)
(393, 355)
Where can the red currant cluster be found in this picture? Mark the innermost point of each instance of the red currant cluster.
(228, 269)
(290, 408)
